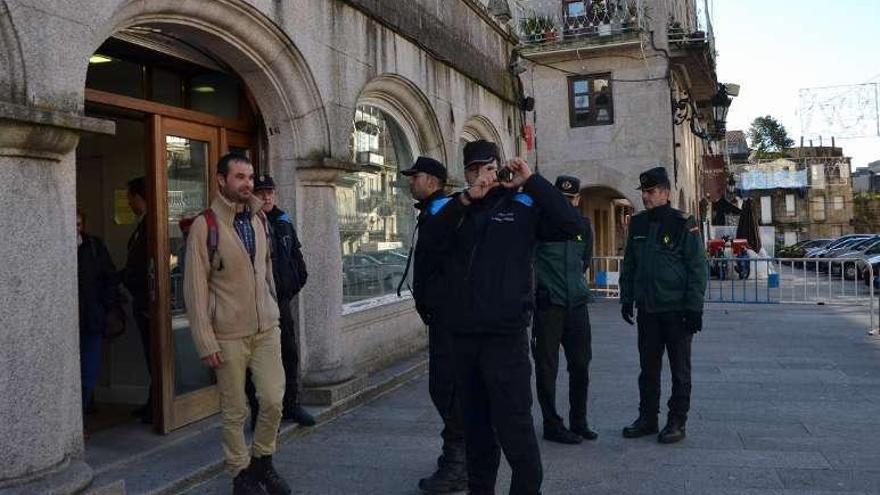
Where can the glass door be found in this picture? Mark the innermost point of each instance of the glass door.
(185, 156)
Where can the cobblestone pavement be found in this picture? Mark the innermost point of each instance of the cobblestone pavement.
(785, 401)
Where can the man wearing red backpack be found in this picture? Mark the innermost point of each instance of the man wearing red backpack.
(234, 320)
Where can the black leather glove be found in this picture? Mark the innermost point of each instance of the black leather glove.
(626, 311)
(692, 320)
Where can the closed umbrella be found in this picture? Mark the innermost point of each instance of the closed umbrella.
(747, 228)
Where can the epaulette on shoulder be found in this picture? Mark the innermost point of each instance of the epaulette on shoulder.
(438, 205)
(524, 199)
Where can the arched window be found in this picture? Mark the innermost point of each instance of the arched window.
(376, 215)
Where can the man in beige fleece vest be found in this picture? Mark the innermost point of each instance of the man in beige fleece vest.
(233, 316)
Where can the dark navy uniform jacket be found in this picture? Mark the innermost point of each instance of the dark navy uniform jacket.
(431, 255)
(488, 281)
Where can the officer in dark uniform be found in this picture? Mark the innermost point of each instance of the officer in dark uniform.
(290, 276)
(561, 317)
(487, 305)
(427, 177)
(664, 275)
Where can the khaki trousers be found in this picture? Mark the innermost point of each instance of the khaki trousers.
(262, 354)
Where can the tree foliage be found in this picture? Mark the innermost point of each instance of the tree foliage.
(768, 135)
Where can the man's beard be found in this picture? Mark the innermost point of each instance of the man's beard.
(236, 195)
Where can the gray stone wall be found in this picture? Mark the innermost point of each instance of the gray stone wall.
(436, 64)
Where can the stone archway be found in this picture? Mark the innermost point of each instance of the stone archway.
(261, 53)
(607, 208)
(405, 101)
(12, 77)
(480, 127)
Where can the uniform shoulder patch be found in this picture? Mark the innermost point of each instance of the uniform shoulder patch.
(524, 199)
(438, 205)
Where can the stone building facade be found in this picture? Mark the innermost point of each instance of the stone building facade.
(806, 196)
(609, 80)
(329, 96)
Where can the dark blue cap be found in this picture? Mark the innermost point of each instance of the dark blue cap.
(652, 178)
(264, 181)
(427, 165)
(479, 152)
(568, 185)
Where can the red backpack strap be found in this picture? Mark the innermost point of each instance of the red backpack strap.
(213, 237)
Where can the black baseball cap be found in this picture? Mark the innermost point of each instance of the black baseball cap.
(652, 178)
(568, 185)
(479, 152)
(427, 165)
(264, 181)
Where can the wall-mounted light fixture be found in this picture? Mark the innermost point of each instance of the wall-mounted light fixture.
(99, 59)
(686, 110)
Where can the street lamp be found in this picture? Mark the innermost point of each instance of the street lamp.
(685, 110)
(720, 105)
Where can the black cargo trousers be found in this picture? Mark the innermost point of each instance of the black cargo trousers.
(659, 332)
(494, 375)
(446, 396)
(570, 327)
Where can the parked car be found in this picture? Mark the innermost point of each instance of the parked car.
(869, 247)
(365, 275)
(840, 241)
(840, 251)
(801, 249)
(874, 274)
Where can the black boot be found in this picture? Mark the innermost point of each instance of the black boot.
(561, 434)
(673, 432)
(268, 477)
(641, 427)
(448, 478)
(585, 432)
(298, 415)
(246, 482)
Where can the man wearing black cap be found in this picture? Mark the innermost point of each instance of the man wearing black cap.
(427, 177)
(488, 303)
(664, 276)
(561, 317)
(289, 272)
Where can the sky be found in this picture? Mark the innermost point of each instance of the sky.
(775, 48)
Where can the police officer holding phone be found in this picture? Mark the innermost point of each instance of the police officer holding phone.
(664, 276)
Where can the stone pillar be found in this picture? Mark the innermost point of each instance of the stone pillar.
(41, 444)
(322, 296)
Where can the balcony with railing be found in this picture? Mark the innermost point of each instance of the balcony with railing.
(544, 25)
(692, 43)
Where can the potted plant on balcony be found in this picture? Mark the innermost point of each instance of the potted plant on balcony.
(548, 27)
(530, 29)
(675, 30)
(631, 18)
(600, 17)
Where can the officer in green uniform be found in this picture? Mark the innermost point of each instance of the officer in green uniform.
(664, 276)
(561, 317)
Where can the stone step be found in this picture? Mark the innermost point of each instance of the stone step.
(136, 461)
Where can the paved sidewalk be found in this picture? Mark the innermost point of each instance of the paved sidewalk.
(785, 401)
